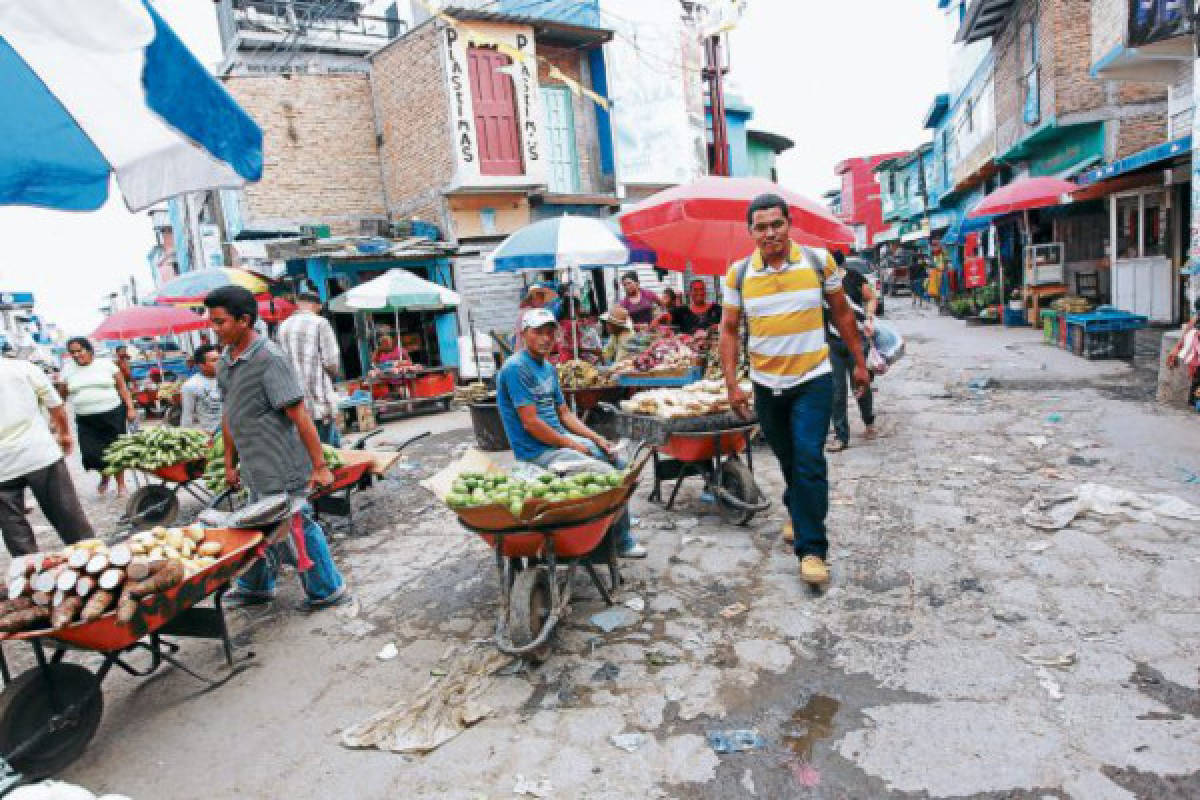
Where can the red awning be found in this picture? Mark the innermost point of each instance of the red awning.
(703, 223)
(138, 321)
(1025, 194)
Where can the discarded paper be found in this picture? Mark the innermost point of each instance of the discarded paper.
(1057, 512)
(629, 742)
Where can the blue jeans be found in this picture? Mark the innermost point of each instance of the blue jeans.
(319, 582)
(795, 423)
(327, 432)
(843, 371)
(621, 526)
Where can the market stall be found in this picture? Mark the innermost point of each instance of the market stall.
(396, 384)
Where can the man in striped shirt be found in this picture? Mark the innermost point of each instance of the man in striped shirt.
(308, 340)
(781, 288)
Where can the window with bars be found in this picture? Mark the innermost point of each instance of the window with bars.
(1031, 110)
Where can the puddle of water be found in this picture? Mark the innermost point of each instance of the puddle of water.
(809, 725)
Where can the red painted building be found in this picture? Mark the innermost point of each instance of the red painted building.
(862, 208)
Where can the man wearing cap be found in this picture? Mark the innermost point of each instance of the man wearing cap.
(540, 426)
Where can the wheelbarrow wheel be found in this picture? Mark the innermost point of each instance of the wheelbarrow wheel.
(529, 608)
(25, 709)
(736, 479)
(153, 504)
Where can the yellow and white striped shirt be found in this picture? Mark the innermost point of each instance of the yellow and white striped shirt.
(783, 310)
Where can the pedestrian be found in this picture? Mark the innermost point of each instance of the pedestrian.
(916, 282)
(637, 301)
(124, 363)
(200, 395)
(541, 426)
(1187, 353)
(780, 288)
(31, 456)
(102, 403)
(271, 446)
(307, 339)
(863, 302)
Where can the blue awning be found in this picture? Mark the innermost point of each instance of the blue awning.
(964, 225)
(1163, 152)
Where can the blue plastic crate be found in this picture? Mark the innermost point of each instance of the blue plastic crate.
(1099, 321)
(692, 375)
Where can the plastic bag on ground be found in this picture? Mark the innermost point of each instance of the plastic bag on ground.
(443, 709)
(1058, 512)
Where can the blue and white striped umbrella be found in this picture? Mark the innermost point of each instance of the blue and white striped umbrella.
(97, 87)
(563, 243)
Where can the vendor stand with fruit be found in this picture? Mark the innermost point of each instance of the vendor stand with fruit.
(540, 426)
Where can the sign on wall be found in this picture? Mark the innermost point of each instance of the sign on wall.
(516, 42)
(658, 140)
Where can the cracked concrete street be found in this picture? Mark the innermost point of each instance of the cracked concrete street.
(958, 652)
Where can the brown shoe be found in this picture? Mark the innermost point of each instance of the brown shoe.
(813, 570)
(789, 535)
(871, 432)
(836, 446)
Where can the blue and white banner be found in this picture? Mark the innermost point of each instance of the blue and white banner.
(99, 87)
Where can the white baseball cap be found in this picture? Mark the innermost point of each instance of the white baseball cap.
(537, 317)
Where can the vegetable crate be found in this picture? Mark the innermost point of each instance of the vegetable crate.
(50, 712)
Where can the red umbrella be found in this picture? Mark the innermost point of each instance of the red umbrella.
(275, 309)
(137, 321)
(1024, 194)
(703, 223)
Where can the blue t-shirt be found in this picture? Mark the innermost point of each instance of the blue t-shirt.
(522, 382)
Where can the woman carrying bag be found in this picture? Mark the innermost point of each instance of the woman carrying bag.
(102, 403)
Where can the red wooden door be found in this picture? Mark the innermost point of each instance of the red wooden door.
(495, 113)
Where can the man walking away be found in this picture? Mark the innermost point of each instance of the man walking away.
(780, 288)
(31, 456)
(268, 430)
(863, 302)
(308, 340)
(200, 395)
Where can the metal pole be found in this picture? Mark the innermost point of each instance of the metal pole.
(475, 347)
(713, 73)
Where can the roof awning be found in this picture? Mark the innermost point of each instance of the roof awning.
(1156, 62)
(1164, 152)
(918, 233)
(886, 235)
(983, 19)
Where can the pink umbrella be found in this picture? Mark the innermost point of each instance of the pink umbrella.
(137, 321)
(275, 309)
(1024, 194)
(703, 223)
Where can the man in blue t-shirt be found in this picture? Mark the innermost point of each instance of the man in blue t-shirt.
(540, 427)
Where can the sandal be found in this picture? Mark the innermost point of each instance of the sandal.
(836, 447)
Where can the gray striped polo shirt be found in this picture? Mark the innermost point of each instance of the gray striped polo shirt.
(258, 385)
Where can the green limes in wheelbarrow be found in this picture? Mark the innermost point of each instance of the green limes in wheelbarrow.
(456, 500)
(515, 507)
(539, 490)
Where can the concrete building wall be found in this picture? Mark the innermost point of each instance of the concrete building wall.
(412, 110)
(1109, 19)
(1180, 101)
(320, 162)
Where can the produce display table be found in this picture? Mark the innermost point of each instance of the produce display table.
(664, 380)
(395, 392)
(1102, 334)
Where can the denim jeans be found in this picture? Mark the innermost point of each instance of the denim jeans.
(327, 432)
(843, 371)
(621, 526)
(794, 423)
(319, 582)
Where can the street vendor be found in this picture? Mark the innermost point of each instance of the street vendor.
(200, 395)
(699, 313)
(271, 446)
(540, 426)
(637, 301)
(619, 327)
(390, 355)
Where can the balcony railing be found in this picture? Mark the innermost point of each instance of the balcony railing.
(305, 22)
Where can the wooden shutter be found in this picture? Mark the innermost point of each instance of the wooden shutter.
(495, 113)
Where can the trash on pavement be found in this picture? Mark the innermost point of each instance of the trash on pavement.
(1038, 547)
(1038, 442)
(657, 658)
(437, 713)
(619, 617)
(1049, 684)
(629, 742)
(1055, 417)
(982, 382)
(608, 671)
(1068, 659)
(987, 461)
(729, 612)
(531, 788)
(388, 652)
(636, 603)
(1056, 513)
(735, 741)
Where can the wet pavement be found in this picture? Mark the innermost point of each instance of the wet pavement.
(958, 652)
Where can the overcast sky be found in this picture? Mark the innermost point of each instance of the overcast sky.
(840, 77)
